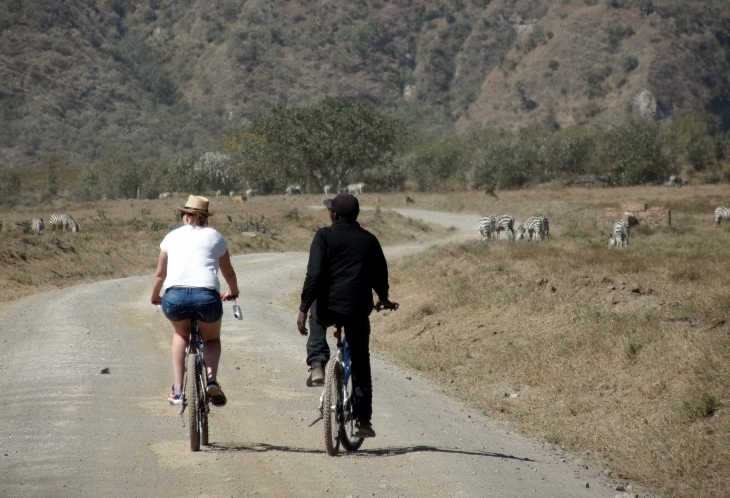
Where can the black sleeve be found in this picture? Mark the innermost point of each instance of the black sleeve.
(315, 266)
(380, 281)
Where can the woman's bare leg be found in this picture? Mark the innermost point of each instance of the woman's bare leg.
(179, 343)
(211, 334)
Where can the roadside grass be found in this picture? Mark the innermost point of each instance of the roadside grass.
(121, 238)
(622, 352)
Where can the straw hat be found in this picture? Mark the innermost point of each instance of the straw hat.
(196, 205)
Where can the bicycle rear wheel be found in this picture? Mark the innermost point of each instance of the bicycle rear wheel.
(332, 407)
(203, 376)
(347, 424)
(192, 393)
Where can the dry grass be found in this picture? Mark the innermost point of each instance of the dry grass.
(121, 238)
(623, 352)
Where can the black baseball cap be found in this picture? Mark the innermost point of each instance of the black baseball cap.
(346, 205)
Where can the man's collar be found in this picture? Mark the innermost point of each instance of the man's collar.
(346, 221)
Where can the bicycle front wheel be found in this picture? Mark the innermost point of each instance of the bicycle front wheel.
(192, 393)
(332, 407)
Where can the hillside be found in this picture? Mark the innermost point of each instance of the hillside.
(152, 78)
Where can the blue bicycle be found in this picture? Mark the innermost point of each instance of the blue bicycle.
(336, 401)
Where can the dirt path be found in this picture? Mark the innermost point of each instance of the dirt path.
(67, 430)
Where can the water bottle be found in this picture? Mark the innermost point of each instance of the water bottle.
(237, 312)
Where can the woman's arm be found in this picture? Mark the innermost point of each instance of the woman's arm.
(230, 275)
(160, 276)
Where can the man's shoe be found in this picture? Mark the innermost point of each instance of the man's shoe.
(363, 429)
(215, 393)
(316, 375)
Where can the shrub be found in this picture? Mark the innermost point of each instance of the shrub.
(553, 64)
(9, 183)
(699, 407)
(629, 63)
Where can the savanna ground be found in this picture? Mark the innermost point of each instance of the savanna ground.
(623, 353)
(121, 238)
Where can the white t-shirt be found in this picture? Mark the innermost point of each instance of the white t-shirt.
(192, 257)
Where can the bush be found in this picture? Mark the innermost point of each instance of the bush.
(9, 183)
(629, 63)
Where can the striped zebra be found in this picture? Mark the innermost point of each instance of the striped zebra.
(545, 227)
(675, 181)
(620, 234)
(355, 188)
(721, 213)
(37, 225)
(165, 195)
(293, 190)
(64, 220)
(507, 223)
(486, 227)
(533, 226)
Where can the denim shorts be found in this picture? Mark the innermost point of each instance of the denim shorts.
(200, 303)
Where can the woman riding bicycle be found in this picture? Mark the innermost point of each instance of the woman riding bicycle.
(187, 269)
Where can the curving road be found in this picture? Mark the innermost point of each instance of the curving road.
(66, 430)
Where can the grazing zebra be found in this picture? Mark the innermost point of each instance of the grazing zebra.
(620, 234)
(486, 227)
(64, 220)
(293, 190)
(675, 181)
(327, 189)
(533, 226)
(37, 225)
(507, 223)
(250, 192)
(165, 195)
(721, 213)
(545, 227)
(355, 188)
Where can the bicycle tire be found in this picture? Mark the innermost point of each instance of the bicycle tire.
(193, 395)
(203, 376)
(331, 407)
(347, 423)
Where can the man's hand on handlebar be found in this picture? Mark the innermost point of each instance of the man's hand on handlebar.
(386, 305)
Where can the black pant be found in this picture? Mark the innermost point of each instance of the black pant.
(357, 332)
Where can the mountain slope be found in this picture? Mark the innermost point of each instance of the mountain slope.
(88, 77)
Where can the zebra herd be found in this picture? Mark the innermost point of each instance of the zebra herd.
(54, 221)
(534, 227)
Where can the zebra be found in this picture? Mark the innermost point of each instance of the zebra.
(620, 234)
(165, 195)
(721, 213)
(327, 189)
(355, 188)
(533, 226)
(64, 220)
(293, 190)
(507, 223)
(486, 227)
(675, 181)
(545, 227)
(37, 225)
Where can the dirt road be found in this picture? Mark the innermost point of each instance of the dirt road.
(66, 430)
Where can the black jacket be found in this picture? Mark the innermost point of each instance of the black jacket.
(346, 263)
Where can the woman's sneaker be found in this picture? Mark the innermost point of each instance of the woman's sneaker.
(215, 393)
(175, 397)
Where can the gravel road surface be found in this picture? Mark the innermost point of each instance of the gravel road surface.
(67, 430)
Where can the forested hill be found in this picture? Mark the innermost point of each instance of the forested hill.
(150, 78)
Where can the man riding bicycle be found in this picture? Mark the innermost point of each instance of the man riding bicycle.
(346, 263)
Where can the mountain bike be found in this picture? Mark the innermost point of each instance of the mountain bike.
(335, 403)
(195, 389)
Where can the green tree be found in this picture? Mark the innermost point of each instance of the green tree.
(331, 142)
